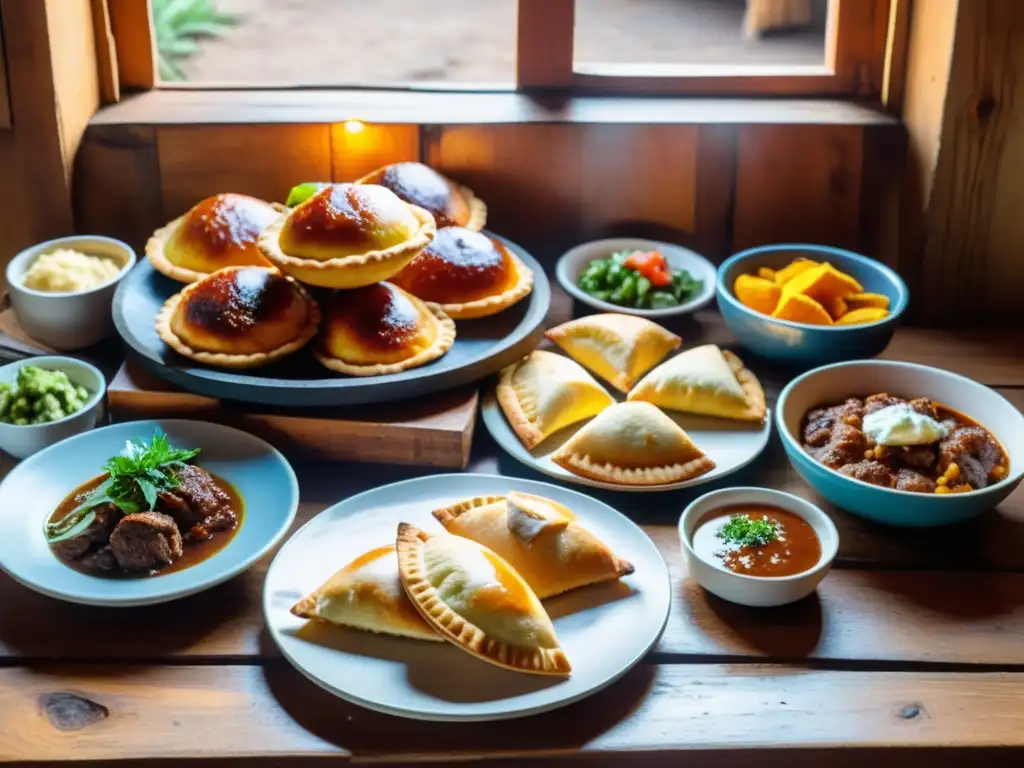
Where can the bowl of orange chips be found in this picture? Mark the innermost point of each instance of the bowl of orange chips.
(810, 304)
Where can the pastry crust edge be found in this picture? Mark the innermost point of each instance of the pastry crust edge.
(306, 609)
(508, 398)
(756, 406)
(443, 342)
(672, 473)
(459, 631)
(492, 305)
(224, 359)
(156, 255)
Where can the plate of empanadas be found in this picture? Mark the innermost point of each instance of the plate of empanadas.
(617, 406)
(467, 597)
(372, 291)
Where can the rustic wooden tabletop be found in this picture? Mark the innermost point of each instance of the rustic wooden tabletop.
(912, 648)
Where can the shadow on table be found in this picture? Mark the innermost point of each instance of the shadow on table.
(365, 733)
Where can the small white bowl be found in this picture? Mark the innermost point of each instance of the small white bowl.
(757, 591)
(23, 441)
(574, 262)
(74, 320)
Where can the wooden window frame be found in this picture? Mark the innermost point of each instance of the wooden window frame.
(859, 42)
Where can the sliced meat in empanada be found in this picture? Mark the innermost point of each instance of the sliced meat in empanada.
(538, 537)
(705, 380)
(633, 444)
(367, 594)
(478, 602)
(545, 392)
(618, 348)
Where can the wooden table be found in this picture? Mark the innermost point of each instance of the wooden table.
(912, 648)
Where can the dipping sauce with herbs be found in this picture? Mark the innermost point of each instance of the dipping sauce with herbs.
(757, 540)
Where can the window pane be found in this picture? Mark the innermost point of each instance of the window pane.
(704, 33)
(337, 42)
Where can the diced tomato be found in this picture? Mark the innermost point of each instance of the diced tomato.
(650, 264)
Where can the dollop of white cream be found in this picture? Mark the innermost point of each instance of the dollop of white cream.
(902, 425)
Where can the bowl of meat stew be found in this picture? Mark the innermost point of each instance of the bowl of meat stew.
(900, 443)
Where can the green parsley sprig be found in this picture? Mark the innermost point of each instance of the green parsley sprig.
(748, 533)
(136, 478)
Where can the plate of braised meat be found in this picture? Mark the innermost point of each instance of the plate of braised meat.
(144, 512)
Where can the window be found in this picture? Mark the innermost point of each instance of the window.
(710, 47)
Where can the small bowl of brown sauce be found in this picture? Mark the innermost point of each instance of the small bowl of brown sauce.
(756, 546)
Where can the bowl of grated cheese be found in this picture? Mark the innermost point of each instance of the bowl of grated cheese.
(62, 290)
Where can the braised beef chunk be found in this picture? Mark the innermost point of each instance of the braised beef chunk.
(882, 400)
(197, 504)
(916, 456)
(821, 421)
(101, 559)
(145, 541)
(925, 406)
(846, 446)
(909, 480)
(874, 472)
(974, 451)
(96, 533)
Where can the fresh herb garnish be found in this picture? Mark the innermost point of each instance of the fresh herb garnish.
(136, 478)
(748, 533)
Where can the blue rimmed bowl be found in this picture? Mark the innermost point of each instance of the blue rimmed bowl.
(802, 343)
(859, 378)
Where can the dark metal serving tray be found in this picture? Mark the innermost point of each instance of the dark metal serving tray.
(481, 348)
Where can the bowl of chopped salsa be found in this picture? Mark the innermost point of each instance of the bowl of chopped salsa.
(756, 546)
(638, 277)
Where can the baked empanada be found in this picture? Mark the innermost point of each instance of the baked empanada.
(477, 601)
(618, 348)
(633, 444)
(705, 380)
(367, 594)
(545, 392)
(451, 204)
(538, 537)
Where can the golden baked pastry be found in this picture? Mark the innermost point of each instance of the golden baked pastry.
(477, 601)
(347, 236)
(381, 329)
(221, 231)
(451, 204)
(468, 274)
(545, 392)
(367, 594)
(705, 380)
(633, 444)
(239, 317)
(618, 348)
(538, 537)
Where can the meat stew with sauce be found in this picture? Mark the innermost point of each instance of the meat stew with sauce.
(965, 456)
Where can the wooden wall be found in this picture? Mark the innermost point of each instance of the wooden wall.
(717, 188)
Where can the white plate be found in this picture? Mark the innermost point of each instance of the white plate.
(605, 629)
(731, 444)
(34, 488)
(573, 262)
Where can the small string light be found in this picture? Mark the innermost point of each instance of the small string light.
(354, 126)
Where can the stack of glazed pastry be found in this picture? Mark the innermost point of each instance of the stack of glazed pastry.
(478, 585)
(397, 255)
(633, 442)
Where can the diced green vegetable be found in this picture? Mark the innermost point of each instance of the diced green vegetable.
(40, 396)
(300, 193)
(611, 280)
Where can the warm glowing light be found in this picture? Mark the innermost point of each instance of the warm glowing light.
(354, 126)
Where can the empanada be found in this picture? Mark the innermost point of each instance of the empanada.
(705, 380)
(618, 348)
(538, 537)
(633, 444)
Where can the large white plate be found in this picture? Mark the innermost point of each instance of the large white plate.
(34, 488)
(605, 629)
(731, 444)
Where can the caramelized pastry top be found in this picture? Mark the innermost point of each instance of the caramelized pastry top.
(345, 220)
(376, 324)
(459, 266)
(421, 185)
(241, 311)
(220, 231)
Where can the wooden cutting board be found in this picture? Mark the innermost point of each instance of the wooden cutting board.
(435, 431)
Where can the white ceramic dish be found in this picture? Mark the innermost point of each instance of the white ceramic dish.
(731, 444)
(68, 321)
(756, 591)
(33, 489)
(605, 629)
(23, 441)
(573, 263)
